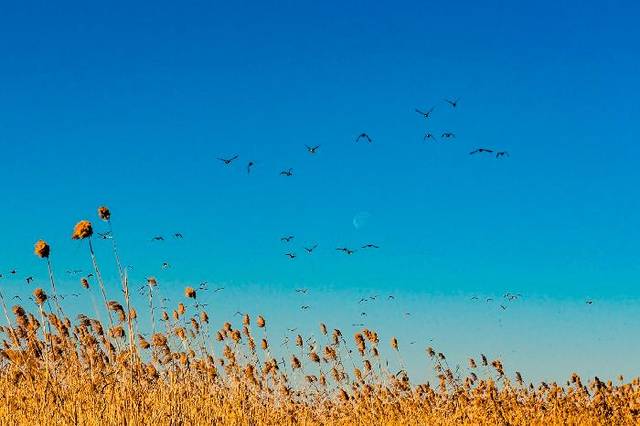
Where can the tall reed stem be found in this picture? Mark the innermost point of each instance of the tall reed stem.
(100, 282)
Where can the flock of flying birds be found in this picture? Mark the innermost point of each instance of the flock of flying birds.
(287, 239)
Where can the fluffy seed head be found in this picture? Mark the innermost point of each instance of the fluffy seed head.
(190, 292)
(104, 213)
(42, 249)
(82, 230)
(40, 296)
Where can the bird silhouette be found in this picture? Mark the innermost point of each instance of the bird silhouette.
(448, 135)
(290, 255)
(364, 136)
(589, 302)
(249, 166)
(288, 172)
(29, 280)
(310, 249)
(346, 250)
(428, 136)
(312, 149)
(502, 154)
(158, 238)
(287, 239)
(218, 289)
(228, 161)
(301, 290)
(305, 307)
(425, 114)
(165, 265)
(366, 246)
(105, 235)
(453, 103)
(178, 236)
(480, 151)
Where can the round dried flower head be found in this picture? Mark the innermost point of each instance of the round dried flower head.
(152, 281)
(260, 321)
(84, 282)
(190, 292)
(82, 230)
(104, 213)
(42, 249)
(39, 296)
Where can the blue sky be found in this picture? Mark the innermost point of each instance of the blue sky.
(129, 106)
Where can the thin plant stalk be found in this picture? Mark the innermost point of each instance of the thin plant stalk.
(100, 282)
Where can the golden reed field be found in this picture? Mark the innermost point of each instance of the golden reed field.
(55, 370)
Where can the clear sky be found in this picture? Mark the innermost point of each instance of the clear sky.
(129, 105)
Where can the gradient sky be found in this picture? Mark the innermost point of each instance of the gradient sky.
(129, 105)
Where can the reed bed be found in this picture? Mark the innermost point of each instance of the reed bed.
(186, 370)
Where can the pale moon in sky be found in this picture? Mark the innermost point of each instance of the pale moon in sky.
(360, 220)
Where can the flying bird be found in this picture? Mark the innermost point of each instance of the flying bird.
(425, 114)
(290, 255)
(165, 265)
(364, 136)
(428, 136)
(301, 290)
(249, 166)
(105, 235)
(448, 135)
(366, 246)
(310, 249)
(218, 289)
(178, 236)
(312, 149)
(480, 151)
(502, 154)
(29, 280)
(288, 172)
(346, 250)
(228, 161)
(589, 302)
(158, 238)
(453, 103)
(305, 307)
(287, 239)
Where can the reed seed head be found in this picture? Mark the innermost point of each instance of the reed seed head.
(82, 230)
(42, 249)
